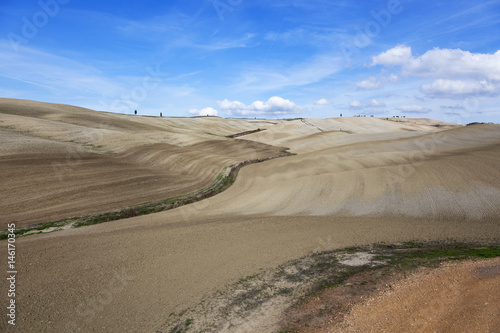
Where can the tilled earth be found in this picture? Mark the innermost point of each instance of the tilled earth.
(353, 182)
(382, 288)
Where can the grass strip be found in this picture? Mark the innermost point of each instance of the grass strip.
(222, 182)
(301, 281)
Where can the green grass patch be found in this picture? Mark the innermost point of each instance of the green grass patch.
(284, 291)
(398, 258)
(222, 182)
(19, 232)
(308, 277)
(454, 253)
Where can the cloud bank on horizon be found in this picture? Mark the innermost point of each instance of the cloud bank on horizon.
(266, 59)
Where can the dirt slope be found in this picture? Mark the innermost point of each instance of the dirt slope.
(445, 175)
(306, 135)
(129, 275)
(60, 161)
(460, 297)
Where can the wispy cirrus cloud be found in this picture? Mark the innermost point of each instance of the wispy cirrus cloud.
(70, 81)
(54, 72)
(268, 79)
(223, 44)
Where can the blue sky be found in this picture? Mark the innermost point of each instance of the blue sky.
(265, 59)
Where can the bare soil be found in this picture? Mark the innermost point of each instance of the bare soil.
(336, 291)
(458, 297)
(63, 162)
(353, 182)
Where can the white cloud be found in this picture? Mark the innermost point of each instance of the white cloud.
(413, 109)
(242, 42)
(396, 56)
(443, 63)
(208, 111)
(355, 105)
(448, 63)
(322, 101)
(374, 104)
(371, 83)
(453, 107)
(459, 89)
(274, 106)
(392, 78)
(457, 74)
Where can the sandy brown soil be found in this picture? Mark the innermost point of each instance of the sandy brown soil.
(377, 181)
(459, 297)
(433, 176)
(61, 161)
(130, 275)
